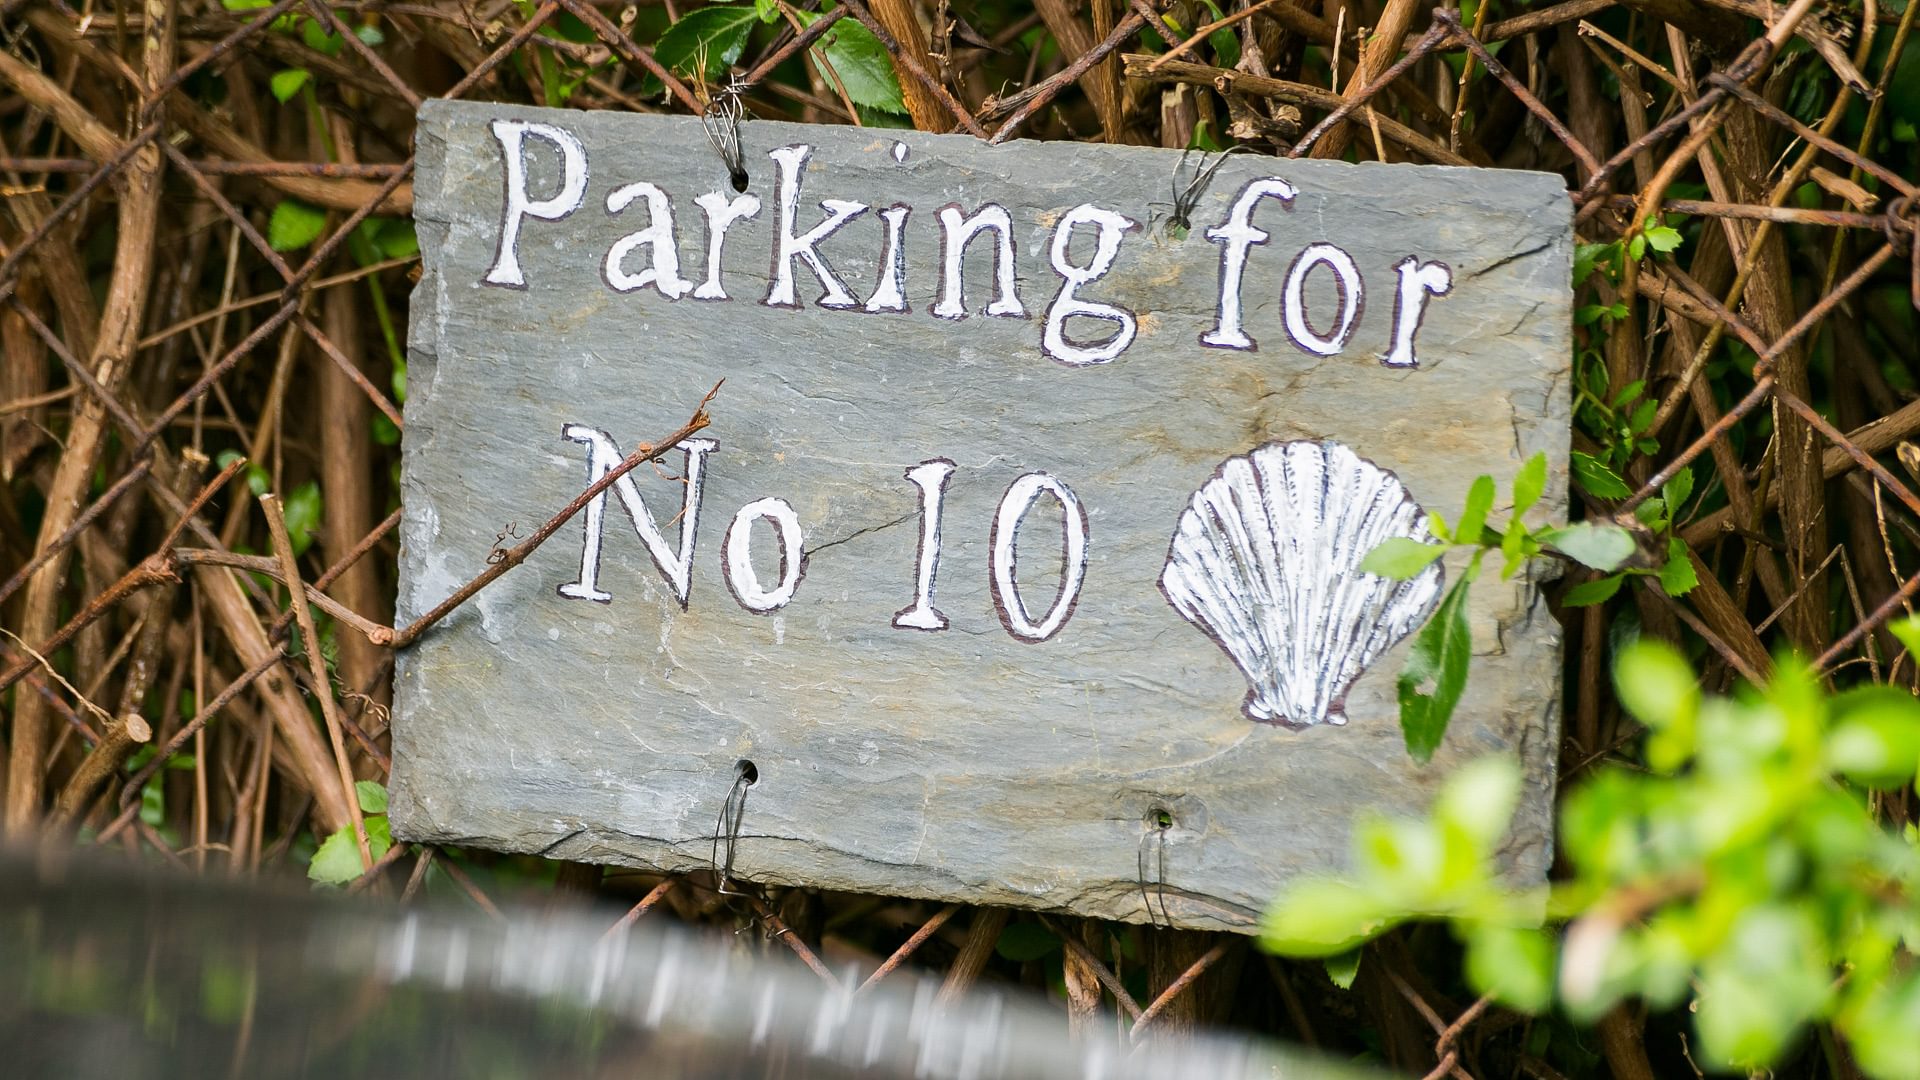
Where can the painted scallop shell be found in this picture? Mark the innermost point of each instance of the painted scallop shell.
(1266, 560)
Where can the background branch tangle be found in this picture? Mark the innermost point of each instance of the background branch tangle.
(202, 223)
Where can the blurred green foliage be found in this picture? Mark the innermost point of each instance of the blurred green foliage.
(1745, 872)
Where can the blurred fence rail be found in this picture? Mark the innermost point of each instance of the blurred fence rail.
(204, 269)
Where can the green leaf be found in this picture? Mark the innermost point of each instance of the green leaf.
(294, 225)
(394, 238)
(1662, 238)
(1325, 917)
(1400, 558)
(303, 515)
(1655, 684)
(1436, 674)
(1022, 942)
(1597, 591)
(1478, 800)
(383, 431)
(1599, 481)
(1343, 969)
(1513, 964)
(1602, 547)
(372, 795)
(1906, 630)
(370, 36)
(1678, 490)
(1876, 737)
(338, 860)
(1529, 483)
(706, 41)
(320, 40)
(287, 83)
(1677, 577)
(1474, 517)
(865, 70)
(1643, 414)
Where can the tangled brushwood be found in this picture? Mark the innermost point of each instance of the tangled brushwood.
(205, 262)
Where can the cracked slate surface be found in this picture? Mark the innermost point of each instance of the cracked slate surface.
(964, 764)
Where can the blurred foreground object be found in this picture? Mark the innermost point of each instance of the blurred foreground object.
(129, 972)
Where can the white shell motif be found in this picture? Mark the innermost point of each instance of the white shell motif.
(1266, 560)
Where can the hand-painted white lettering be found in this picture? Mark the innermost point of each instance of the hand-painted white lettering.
(737, 557)
(791, 162)
(1003, 542)
(1066, 303)
(603, 456)
(956, 232)
(663, 271)
(721, 212)
(1235, 235)
(931, 477)
(519, 204)
(1346, 277)
(890, 294)
(1418, 281)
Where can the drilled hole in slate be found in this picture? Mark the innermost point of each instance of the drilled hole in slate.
(746, 770)
(740, 181)
(1159, 817)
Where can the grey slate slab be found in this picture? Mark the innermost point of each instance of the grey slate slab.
(959, 764)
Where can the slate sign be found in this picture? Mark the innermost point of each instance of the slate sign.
(1021, 559)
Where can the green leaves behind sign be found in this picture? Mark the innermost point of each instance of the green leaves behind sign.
(1677, 577)
(1599, 481)
(1436, 672)
(338, 860)
(1022, 942)
(294, 225)
(863, 66)
(287, 83)
(706, 42)
(1602, 547)
(372, 796)
(303, 515)
(1345, 968)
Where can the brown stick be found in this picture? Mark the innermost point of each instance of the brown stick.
(322, 688)
(125, 306)
(518, 554)
(1082, 981)
(1140, 67)
(65, 539)
(654, 895)
(1092, 963)
(899, 19)
(982, 936)
(1178, 987)
(1375, 58)
(1046, 92)
(117, 742)
(908, 947)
